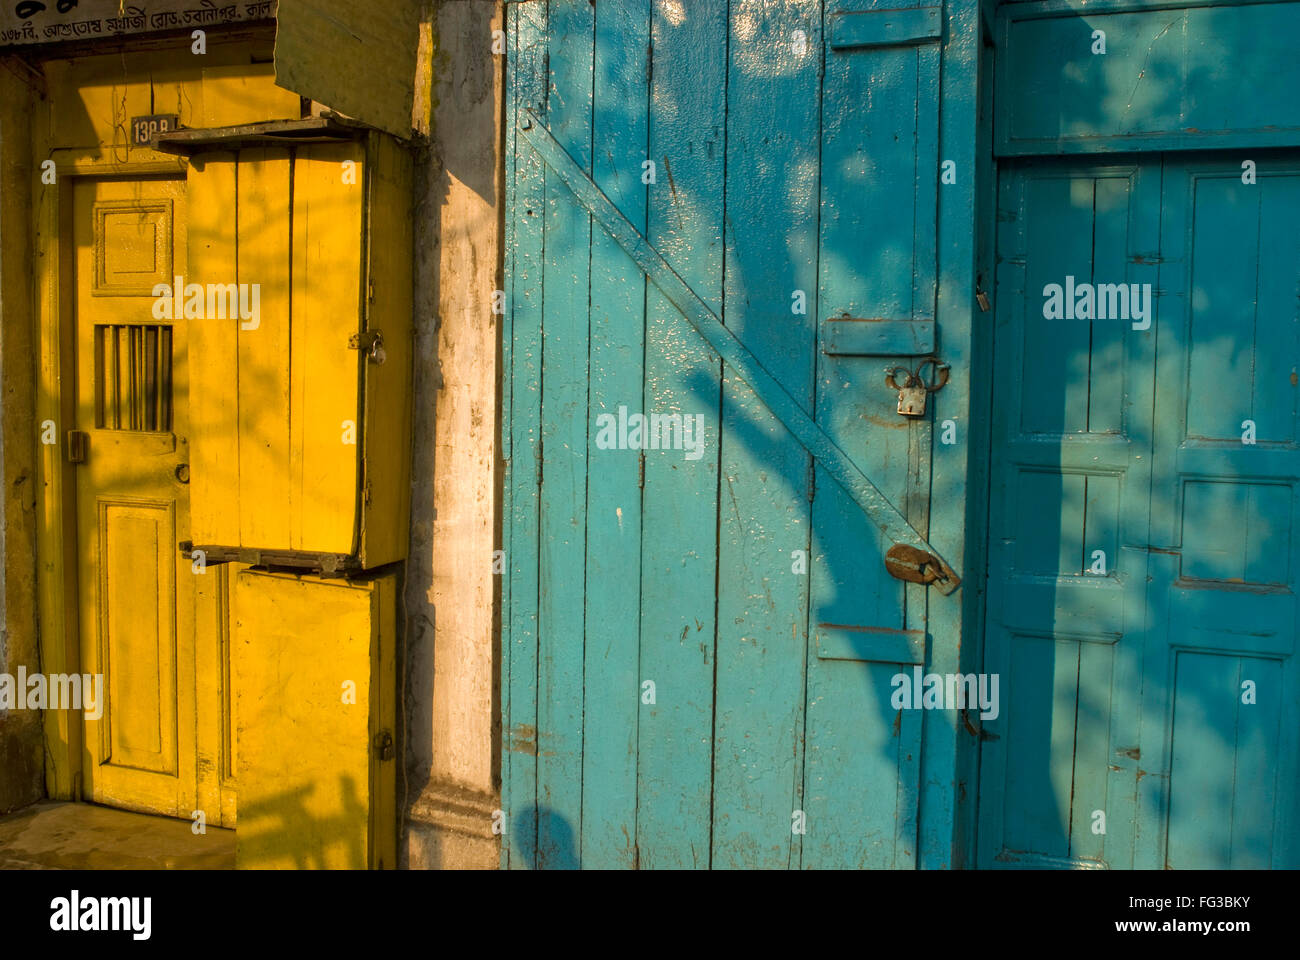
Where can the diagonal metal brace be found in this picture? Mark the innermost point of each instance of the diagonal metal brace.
(734, 353)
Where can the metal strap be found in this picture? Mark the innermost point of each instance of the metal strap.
(734, 353)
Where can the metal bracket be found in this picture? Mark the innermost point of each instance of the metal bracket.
(732, 351)
(75, 443)
(371, 343)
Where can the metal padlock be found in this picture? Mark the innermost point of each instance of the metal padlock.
(911, 397)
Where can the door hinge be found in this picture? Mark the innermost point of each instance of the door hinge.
(640, 470)
(371, 343)
(812, 479)
(75, 444)
(384, 745)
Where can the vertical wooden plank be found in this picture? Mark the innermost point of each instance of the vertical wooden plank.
(521, 735)
(263, 244)
(679, 518)
(872, 142)
(386, 305)
(326, 291)
(510, 18)
(213, 368)
(612, 688)
(773, 87)
(563, 521)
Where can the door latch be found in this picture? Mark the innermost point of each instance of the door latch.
(75, 444)
(371, 343)
(906, 562)
(914, 389)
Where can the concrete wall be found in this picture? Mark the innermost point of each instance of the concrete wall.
(22, 763)
(451, 598)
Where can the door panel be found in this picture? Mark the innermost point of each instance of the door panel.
(152, 749)
(1071, 463)
(668, 697)
(1221, 664)
(1125, 687)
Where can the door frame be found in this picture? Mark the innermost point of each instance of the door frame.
(55, 400)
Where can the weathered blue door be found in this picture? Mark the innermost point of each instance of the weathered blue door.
(1144, 550)
(701, 633)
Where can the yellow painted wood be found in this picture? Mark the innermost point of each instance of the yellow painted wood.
(286, 454)
(136, 593)
(315, 683)
(91, 99)
(324, 419)
(213, 680)
(214, 412)
(263, 374)
(385, 518)
(245, 93)
(167, 742)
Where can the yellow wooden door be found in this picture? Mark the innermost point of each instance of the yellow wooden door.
(147, 619)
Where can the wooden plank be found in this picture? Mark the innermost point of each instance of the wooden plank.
(867, 337)
(702, 317)
(762, 603)
(264, 349)
(872, 155)
(326, 282)
(879, 645)
(509, 766)
(563, 521)
(386, 306)
(524, 558)
(679, 518)
(886, 28)
(617, 350)
(213, 348)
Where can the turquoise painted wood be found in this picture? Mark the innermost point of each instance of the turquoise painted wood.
(618, 299)
(1171, 77)
(700, 641)
(1143, 558)
(734, 212)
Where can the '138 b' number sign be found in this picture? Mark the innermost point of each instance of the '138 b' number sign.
(144, 129)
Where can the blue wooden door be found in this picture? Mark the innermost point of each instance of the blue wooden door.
(700, 637)
(1143, 552)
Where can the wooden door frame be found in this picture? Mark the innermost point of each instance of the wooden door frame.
(56, 518)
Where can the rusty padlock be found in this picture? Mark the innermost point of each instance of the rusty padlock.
(911, 394)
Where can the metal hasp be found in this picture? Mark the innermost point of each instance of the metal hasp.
(734, 353)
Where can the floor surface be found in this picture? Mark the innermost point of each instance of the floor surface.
(82, 836)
